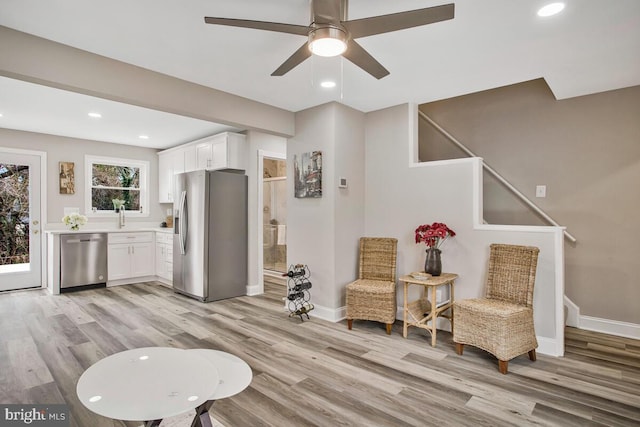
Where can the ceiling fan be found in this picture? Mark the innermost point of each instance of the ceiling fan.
(331, 33)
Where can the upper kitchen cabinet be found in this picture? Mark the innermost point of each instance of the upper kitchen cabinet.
(170, 162)
(225, 151)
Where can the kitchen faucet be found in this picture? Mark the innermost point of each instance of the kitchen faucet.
(121, 217)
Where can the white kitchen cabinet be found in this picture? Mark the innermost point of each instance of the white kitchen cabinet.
(164, 257)
(224, 151)
(170, 163)
(130, 255)
(190, 160)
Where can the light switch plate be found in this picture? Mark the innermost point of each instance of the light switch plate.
(342, 182)
(541, 191)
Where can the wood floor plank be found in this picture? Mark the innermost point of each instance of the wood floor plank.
(29, 370)
(314, 413)
(311, 373)
(550, 415)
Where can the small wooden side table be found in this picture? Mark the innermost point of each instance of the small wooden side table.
(428, 292)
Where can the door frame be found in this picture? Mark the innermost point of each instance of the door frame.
(262, 154)
(43, 206)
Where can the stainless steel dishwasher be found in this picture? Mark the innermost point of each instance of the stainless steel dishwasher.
(83, 260)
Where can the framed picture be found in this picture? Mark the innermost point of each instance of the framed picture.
(308, 174)
(67, 178)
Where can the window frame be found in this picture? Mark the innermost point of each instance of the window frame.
(143, 165)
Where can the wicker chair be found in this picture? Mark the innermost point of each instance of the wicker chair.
(373, 295)
(502, 322)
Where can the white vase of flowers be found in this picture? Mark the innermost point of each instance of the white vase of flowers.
(74, 221)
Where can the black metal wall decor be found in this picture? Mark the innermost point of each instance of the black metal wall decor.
(298, 294)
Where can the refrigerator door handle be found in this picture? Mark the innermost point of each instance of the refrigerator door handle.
(182, 236)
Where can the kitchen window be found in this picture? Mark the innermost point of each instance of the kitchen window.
(110, 179)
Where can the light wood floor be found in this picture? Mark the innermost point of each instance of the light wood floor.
(314, 372)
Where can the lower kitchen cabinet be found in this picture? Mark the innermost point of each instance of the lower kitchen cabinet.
(164, 257)
(130, 255)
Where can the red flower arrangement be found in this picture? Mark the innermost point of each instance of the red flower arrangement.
(433, 235)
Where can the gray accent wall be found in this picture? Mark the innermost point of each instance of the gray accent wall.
(586, 150)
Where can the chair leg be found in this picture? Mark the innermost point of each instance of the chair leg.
(503, 365)
(389, 325)
(349, 323)
(532, 355)
(459, 348)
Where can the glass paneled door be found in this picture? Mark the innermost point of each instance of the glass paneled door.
(20, 237)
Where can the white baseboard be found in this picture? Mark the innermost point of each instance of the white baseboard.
(550, 346)
(572, 314)
(331, 314)
(611, 327)
(131, 281)
(254, 290)
(597, 324)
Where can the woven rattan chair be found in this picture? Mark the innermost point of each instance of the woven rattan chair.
(502, 322)
(373, 295)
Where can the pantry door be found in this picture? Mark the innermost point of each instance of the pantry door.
(20, 210)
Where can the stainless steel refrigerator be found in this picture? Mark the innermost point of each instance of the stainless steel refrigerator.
(210, 235)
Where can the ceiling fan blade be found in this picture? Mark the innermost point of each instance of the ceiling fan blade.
(293, 61)
(399, 21)
(259, 25)
(356, 54)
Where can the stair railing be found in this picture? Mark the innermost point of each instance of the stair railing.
(497, 176)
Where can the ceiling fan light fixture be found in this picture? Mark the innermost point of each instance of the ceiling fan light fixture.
(327, 41)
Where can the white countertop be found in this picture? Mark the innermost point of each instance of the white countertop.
(99, 229)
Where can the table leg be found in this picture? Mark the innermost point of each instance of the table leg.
(202, 418)
(451, 300)
(404, 311)
(434, 317)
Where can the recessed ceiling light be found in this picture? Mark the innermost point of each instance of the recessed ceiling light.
(94, 398)
(143, 357)
(328, 84)
(192, 398)
(551, 9)
(143, 136)
(0, 114)
(95, 115)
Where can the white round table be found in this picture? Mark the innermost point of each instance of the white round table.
(148, 384)
(235, 376)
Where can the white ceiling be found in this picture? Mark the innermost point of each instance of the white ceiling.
(592, 46)
(35, 108)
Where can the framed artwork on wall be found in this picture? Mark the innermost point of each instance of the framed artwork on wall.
(67, 178)
(308, 174)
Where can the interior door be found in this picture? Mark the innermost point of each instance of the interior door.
(20, 232)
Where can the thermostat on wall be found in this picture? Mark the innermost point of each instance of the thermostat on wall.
(342, 182)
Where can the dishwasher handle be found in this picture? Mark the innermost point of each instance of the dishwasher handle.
(83, 240)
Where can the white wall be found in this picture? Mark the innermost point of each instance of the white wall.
(310, 222)
(259, 143)
(349, 202)
(323, 232)
(401, 194)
